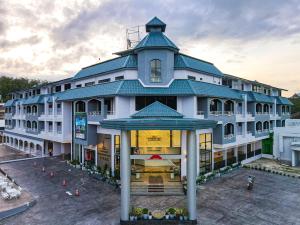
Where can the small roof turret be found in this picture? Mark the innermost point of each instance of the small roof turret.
(155, 25)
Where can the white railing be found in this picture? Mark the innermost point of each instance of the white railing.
(58, 111)
(229, 113)
(200, 112)
(95, 113)
(59, 131)
(250, 113)
(216, 113)
(228, 136)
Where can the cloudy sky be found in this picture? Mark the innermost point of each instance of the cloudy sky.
(51, 40)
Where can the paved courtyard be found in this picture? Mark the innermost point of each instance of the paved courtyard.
(274, 200)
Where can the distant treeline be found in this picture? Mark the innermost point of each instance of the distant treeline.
(295, 108)
(9, 85)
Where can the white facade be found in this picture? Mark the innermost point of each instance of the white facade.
(287, 142)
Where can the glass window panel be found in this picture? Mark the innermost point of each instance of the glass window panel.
(176, 138)
(208, 137)
(202, 138)
(133, 138)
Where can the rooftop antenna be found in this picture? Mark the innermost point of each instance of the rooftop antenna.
(133, 36)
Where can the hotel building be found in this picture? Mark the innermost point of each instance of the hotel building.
(152, 114)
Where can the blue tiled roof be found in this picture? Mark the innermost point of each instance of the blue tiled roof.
(208, 89)
(105, 89)
(156, 40)
(257, 97)
(283, 101)
(157, 109)
(9, 103)
(135, 88)
(33, 100)
(128, 61)
(187, 62)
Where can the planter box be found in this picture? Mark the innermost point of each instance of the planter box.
(159, 222)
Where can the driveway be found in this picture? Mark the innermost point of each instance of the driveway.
(274, 200)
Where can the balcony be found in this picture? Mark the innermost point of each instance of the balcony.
(32, 130)
(228, 136)
(95, 116)
(215, 113)
(228, 113)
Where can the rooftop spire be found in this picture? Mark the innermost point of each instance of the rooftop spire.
(155, 25)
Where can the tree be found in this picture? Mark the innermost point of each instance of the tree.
(9, 85)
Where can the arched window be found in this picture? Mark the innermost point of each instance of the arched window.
(28, 124)
(266, 125)
(80, 106)
(28, 109)
(31, 146)
(259, 126)
(229, 107)
(34, 125)
(94, 107)
(258, 108)
(287, 109)
(215, 106)
(155, 65)
(266, 108)
(228, 131)
(283, 123)
(34, 109)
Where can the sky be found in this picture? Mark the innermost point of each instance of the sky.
(52, 40)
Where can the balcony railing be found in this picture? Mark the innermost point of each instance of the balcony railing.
(59, 130)
(200, 112)
(110, 112)
(250, 113)
(216, 113)
(94, 113)
(228, 136)
(229, 113)
(58, 111)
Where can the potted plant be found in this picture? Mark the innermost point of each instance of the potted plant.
(150, 216)
(172, 213)
(131, 216)
(145, 213)
(185, 214)
(167, 216)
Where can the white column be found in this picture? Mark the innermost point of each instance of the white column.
(191, 175)
(125, 175)
(293, 158)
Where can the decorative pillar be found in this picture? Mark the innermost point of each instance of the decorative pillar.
(293, 158)
(125, 175)
(191, 175)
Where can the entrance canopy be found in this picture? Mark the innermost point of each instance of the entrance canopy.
(158, 116)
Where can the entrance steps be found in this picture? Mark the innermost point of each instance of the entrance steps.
(159, 189)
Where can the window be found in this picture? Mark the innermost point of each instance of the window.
(228, 130)
(78, 85)
(162, 142)
(109, 103)
(117, 153)
(259, 126)
(155, 70)
(143, 101)
(119, 78)
(38, 91)
(215, 106)
(67, 86)
(80, 106)
(205, 152)
(104, 81)
(191, 78)
(229, 107)
(58, 88)
(89, 84)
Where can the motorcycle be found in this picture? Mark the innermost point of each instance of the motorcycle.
(250, 182)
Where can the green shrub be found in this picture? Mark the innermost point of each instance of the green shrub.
(172, 211)
(145, 211)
